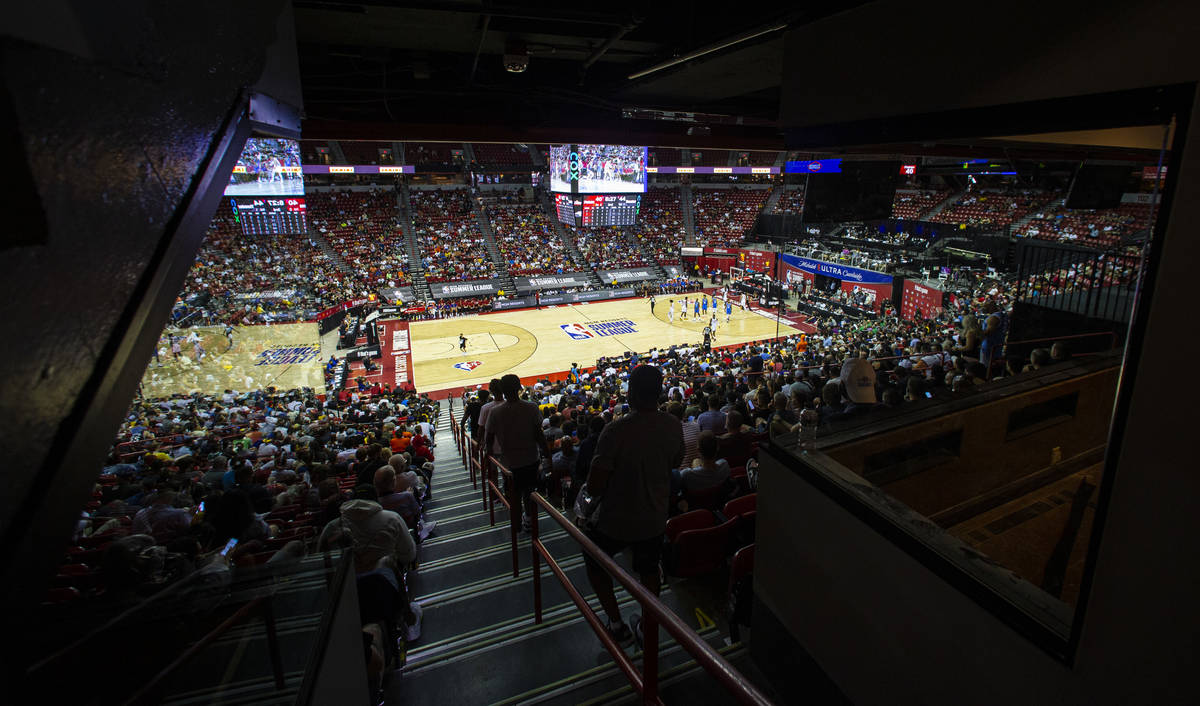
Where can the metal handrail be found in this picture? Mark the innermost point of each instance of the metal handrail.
(654, 614)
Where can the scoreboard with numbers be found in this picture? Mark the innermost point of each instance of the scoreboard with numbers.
(610, 210)
(564, 209)
(272, 216)
(597, 209)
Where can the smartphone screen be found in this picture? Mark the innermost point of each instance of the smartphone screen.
(229, 546)
(928, 395)
(201, 506)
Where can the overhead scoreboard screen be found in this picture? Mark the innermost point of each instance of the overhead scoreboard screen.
(598, 169)
(271, 216)
(267, 186)
(598, 210)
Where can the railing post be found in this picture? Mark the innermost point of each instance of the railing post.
(535, 545)
(489, 494)
(514, 514)
(649, 657)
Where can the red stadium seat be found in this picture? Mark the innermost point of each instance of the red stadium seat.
(699, 551)
(696, 519)
(707, 499)
(740, 506)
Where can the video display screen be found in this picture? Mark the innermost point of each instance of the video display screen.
(270, 216)
(599, 169)
(268, 166)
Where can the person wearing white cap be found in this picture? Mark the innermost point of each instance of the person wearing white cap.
(857, 383)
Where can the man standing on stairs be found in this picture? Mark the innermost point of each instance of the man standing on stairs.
(515, 426)
(630, 477)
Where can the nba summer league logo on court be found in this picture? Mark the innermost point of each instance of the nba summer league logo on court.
(468, 365)
(614, 327)
(288, 355)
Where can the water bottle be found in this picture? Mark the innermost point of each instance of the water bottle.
(808, 429)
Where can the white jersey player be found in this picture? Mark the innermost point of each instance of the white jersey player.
(743, 300)
(671, 312)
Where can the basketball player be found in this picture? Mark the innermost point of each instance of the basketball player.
(671, 312)
(176, 348)
(197, 348)
(728, 310)
(708, 339)
(683, 310)
(743, 300)
(228, 336)
(704, 303)
(462, 343)
(652, 305)
(696, 304)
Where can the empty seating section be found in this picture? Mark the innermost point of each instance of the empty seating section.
(309, 153)
(664, 157)
(1100, 228)
(791, 201)
(432, 154)
(992, 208)
(710, 158)
(606, 248)
(360, 152)
(452, 248)
(527, 240)
(913, 204)
(362, 227)
(497, 156)
(725, 216)
(759, 159)
(230, 264)
(660, 225)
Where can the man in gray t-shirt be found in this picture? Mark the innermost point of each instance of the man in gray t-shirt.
(630, 476)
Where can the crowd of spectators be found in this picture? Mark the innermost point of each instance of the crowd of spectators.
(447, 232)
(724, 217)
(364, 229)
(528, 241)
(607, 248)
(284, 473)
(660, 225)
(248, 279)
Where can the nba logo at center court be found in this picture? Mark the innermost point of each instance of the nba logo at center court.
(577, 331)
(468, 365)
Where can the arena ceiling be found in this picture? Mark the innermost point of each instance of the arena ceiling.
(429, 63)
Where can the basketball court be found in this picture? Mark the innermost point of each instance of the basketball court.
(286, 356)
(535, 342)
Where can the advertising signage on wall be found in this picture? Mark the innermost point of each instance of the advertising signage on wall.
(813, 166)
(627, 275)
(574, 279)
(842, 272)
(447, 290)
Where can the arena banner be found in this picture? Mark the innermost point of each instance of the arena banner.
(834, 270)
(391, 294)
(396, 349)
(638, 275)
(364, 352)
(588, 296)
(757, 260)
(450, 290)
(273, 294)
(920, 296)
(515, 303)
(341, 307)
(569, 279)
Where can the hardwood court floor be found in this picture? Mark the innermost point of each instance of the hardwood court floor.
(538, 342)
(282, 355)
